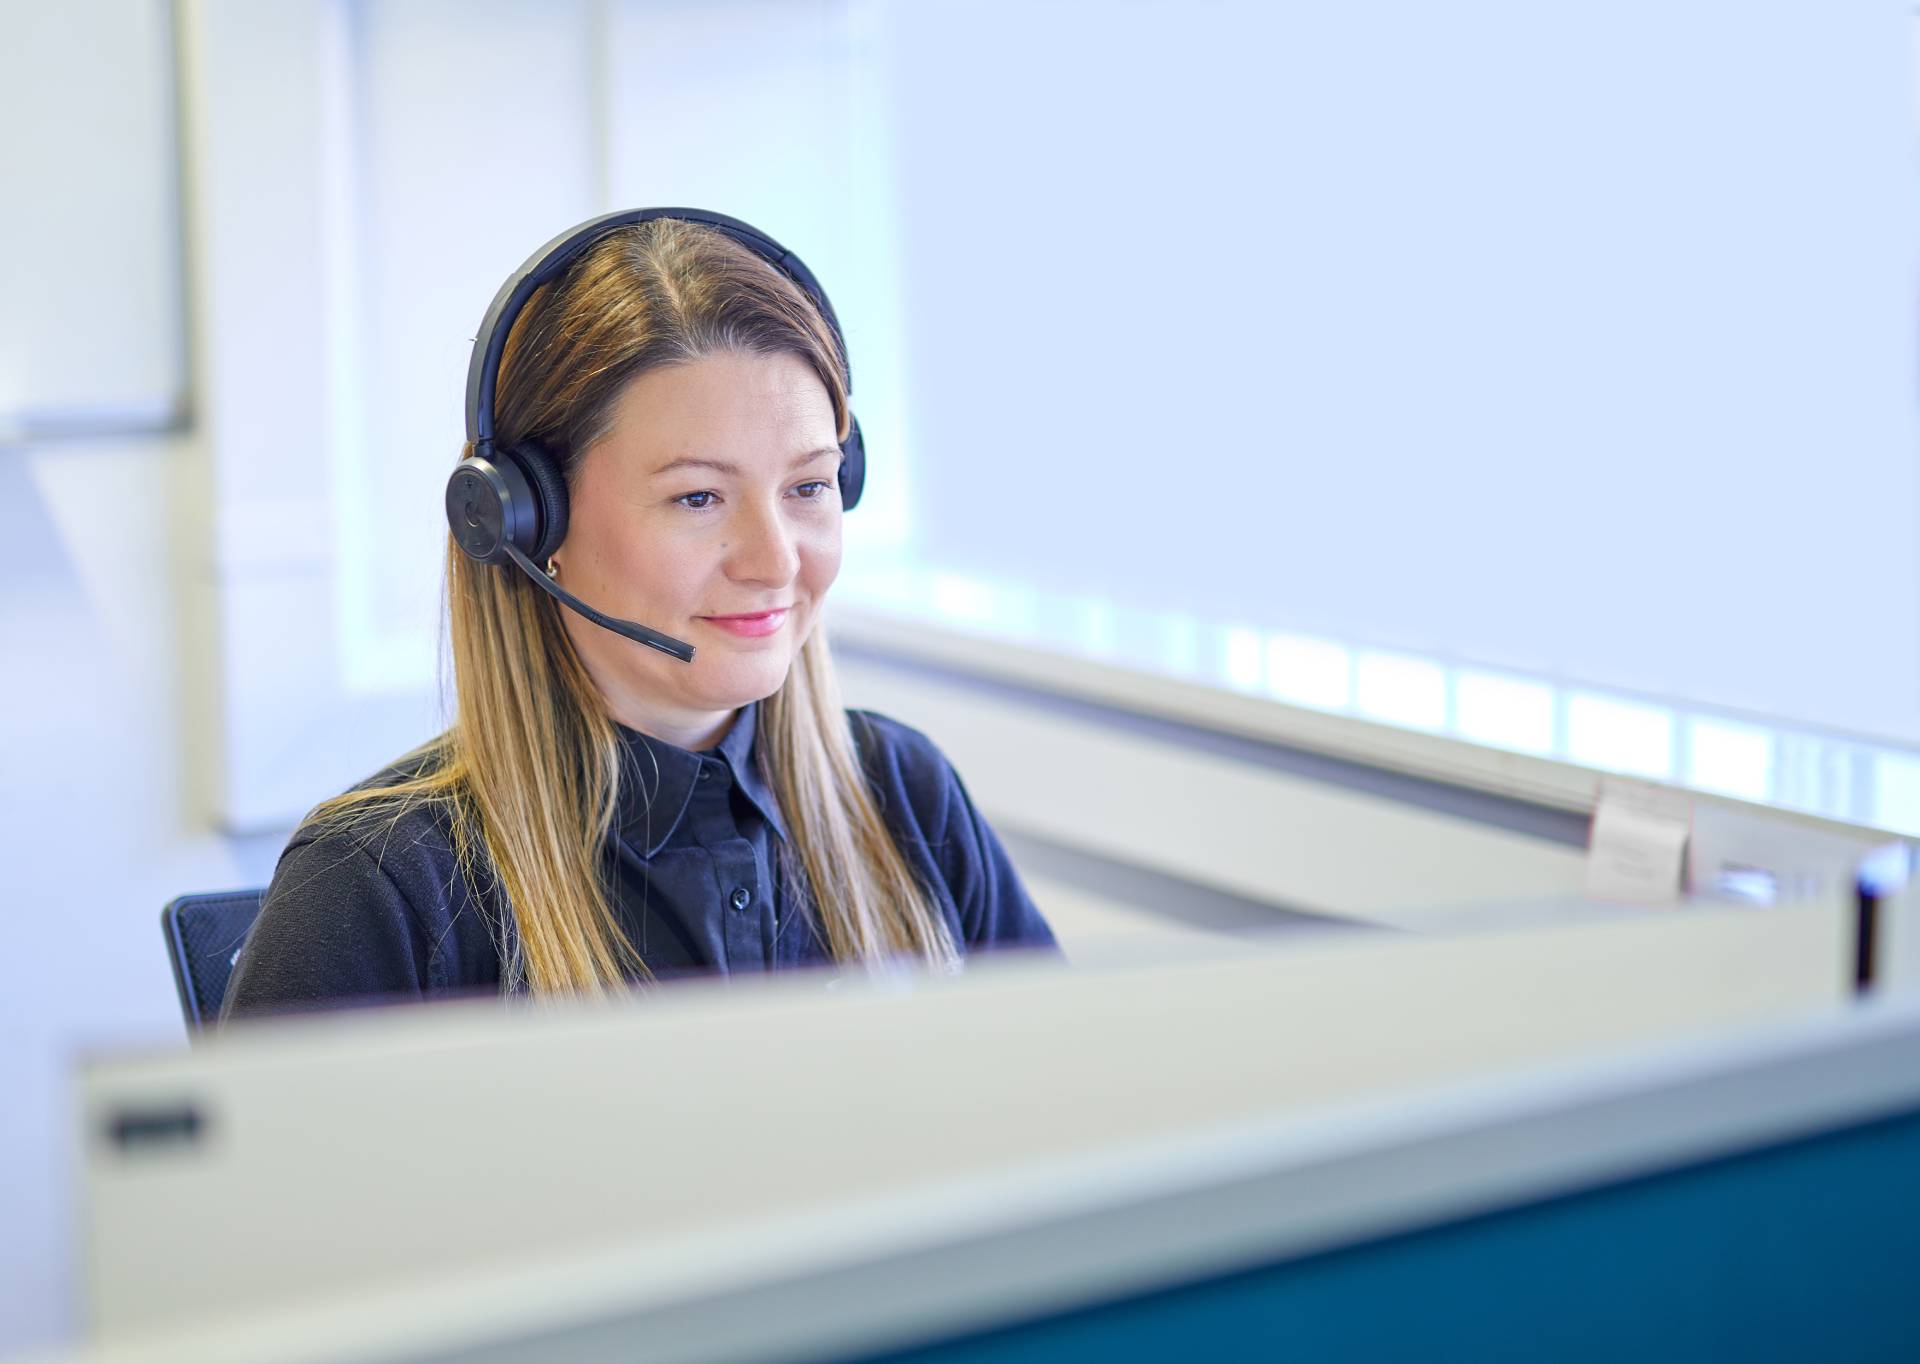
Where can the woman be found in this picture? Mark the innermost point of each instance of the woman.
(672, 445)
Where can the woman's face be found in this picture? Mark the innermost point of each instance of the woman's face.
(709, 511)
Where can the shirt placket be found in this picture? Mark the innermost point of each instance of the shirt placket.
(741, 894)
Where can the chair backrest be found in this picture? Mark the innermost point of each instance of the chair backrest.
(204, 935)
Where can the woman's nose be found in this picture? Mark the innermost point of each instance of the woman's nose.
(766, 550)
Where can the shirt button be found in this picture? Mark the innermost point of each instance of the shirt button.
(706, 772)
(742, 897)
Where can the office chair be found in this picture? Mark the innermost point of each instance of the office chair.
(204, 934)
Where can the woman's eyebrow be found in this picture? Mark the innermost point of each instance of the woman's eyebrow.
(689, 462)
(721, 466)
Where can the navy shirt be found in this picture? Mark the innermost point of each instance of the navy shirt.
(696, 875)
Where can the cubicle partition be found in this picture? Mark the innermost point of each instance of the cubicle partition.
(717, 1135)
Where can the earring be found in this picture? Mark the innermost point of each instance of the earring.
(553, 569)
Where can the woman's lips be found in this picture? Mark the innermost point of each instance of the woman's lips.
(752, 627)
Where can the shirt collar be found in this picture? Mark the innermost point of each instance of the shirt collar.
(745, 756)
(660, 778)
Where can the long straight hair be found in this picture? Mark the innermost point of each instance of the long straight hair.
(532, 771)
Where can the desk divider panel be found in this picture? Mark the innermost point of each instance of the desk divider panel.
(316, 1158)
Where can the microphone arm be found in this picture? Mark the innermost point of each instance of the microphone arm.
(639, 634)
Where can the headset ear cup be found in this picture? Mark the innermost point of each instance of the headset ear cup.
(853, 466)
(550, 491)
(490, 505)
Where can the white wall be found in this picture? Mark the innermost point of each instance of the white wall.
(87, 85)
(1575, 341)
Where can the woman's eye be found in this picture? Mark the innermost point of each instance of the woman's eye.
(696, 501)
(813, 489)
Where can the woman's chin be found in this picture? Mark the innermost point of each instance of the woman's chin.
(735, 682)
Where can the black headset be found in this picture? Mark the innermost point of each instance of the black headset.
(510, 505)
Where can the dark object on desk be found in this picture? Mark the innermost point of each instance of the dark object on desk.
(204, 935)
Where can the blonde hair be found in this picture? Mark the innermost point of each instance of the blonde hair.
(530, 774)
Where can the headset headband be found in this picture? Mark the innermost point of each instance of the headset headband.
(483, 369)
